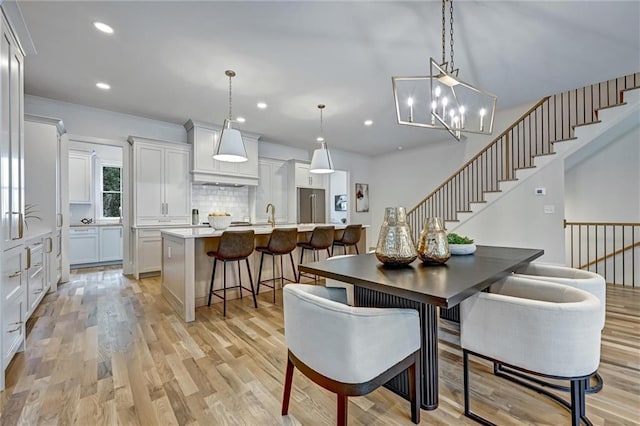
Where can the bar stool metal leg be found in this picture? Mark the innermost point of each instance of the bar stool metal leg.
(260, 273)
(253, 293)
(239, 279)
(293, 268)
(224, 291)
(213, 274)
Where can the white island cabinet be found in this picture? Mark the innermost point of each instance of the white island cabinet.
(186, 268)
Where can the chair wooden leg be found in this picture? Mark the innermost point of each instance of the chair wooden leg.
(356, 246)
(414, 388)
(342, 410)
(260, 273)
(288, 381)
(253, 293)
(328, 254)
(213, 274)
(465, 375)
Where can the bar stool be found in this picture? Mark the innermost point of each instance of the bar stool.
(350, 237)
(321, 239)
(234, 246)
(281, 242)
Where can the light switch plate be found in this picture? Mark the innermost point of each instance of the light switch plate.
(550, 209)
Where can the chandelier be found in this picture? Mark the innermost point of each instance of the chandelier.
(321, 160)
(441, 100)
(231, 146)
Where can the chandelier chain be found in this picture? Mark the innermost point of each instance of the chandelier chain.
(444, 37)
(451, 32)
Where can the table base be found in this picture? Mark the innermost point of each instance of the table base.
(429, 342)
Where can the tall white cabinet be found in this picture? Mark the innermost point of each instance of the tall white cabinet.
(80, 177)
(272, 189)
(42, 139)
(162, 189)
(12, 290)
(161, 196)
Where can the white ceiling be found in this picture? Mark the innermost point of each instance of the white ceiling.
(166, 60)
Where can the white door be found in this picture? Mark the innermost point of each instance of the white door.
(177, 184)
(149, 183)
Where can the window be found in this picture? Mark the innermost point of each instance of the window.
(111, 191)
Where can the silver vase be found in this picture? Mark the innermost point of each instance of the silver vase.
(395, 245)
(433, 246)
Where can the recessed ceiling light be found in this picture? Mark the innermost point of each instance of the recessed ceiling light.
(240, 119)
(103, 86)
(319, 138)
(101, 26)
(400, 148)
(368, 122)
(261, 105)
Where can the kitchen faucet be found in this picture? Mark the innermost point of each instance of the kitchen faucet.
(272, 219)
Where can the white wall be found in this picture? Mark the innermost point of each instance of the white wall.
(404, 178)
(517, 219)
(605, 187)
(87, 121)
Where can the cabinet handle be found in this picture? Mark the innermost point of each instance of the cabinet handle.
(20, 226)
(37, 244)
(50, 250)
(15, 274)
(15, 329)
(37, 291)
(61, 219)
(28, 258)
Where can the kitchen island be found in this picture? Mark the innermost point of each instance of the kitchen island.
(186, 268)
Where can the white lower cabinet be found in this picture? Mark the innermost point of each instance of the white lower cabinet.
(35, 274)
(13, 304)
(148, 244)
(83, 245)
(110, 243)
(94, 244)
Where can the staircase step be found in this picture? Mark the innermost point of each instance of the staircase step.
(544, 154)
(565, 140)
(508, 180)
(609, 107)
(525, 167)
(492, 191)
(587, 124)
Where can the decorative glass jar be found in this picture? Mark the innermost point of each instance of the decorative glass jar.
(395, 245)
(433, 246)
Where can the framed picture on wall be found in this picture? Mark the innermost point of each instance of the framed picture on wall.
(340, 204)
(362, 197)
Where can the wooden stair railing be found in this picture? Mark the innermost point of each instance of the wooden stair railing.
(611, 249)
(551, 120)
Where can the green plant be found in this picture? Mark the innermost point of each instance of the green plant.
(454, 238)
(29, 214)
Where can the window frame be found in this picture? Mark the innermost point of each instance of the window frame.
(101, 191)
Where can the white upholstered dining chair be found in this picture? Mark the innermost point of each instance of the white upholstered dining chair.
(348, 350)
(548, 330)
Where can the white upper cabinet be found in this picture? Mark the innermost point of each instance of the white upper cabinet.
(272, 189)
(162, 187)
(204, 139)
(80, 177)
(11, 139)
(306, 179)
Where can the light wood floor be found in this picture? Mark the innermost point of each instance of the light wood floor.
(106, 349)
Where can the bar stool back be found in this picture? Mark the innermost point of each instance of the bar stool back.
(321, 239)
(350, 237)
(234, 246)
(281, 242)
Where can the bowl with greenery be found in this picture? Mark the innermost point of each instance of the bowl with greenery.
(460, 244)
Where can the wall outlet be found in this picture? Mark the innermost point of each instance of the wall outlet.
(540, 191)
(550, 209)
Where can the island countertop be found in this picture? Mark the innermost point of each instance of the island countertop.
(188, 233)
(186, 267)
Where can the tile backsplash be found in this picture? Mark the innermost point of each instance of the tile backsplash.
(209, 198)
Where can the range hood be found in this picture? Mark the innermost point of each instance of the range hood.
(203, 137)
(204, 178)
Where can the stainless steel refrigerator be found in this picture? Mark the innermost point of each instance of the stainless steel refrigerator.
(311, 205)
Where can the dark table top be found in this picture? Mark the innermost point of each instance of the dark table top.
(442, 285)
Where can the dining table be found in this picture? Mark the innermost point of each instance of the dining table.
(426, 288)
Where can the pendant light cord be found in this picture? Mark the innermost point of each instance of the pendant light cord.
(230, 98)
